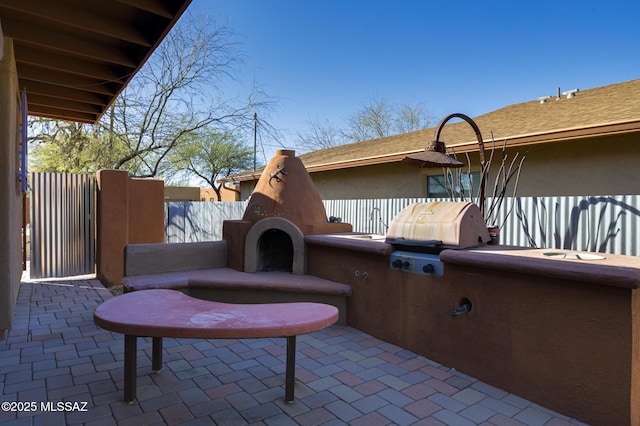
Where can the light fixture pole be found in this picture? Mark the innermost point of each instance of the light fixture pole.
(435, 155)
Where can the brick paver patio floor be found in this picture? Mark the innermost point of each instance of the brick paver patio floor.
(55, 354)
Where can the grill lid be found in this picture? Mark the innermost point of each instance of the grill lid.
(451, 224)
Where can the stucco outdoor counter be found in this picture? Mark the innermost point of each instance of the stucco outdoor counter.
(561, 332)
(611, 270)
(351, 241)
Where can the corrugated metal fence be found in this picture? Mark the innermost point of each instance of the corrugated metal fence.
(62, 225)
(607, 224)
(199, 221)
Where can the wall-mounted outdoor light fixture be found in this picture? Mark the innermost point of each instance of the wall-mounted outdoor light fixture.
(435, 155)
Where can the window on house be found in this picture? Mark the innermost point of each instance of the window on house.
(442, 186)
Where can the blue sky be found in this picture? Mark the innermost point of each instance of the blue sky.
(324, 59)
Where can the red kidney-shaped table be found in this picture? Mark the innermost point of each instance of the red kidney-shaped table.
(170, 313)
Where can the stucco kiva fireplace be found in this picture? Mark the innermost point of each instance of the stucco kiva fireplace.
(284, 207)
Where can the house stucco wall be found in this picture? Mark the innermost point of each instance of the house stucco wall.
(10, 198)
(378, 181)
(594, 166)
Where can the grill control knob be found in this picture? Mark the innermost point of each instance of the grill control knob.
(406, 264)
(397, 263)
(428, 268)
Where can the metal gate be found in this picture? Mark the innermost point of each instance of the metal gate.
(62, 225)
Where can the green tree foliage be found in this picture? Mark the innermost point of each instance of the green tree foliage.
(210, 156)
(61, 146)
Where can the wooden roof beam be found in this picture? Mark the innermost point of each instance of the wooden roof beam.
(42, 75)
(76, 17)
(30, 55)
(64, 104)
(153, 6)
(60, 114)
(73, 46)
(60, 92)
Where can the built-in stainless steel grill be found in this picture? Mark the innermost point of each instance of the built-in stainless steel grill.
(422, 230)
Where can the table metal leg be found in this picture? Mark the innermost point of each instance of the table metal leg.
(156, 353)
(130, 373)
(290, 376)
(130, 361)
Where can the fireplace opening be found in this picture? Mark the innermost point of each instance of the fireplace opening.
(275, 251)
(274, 244)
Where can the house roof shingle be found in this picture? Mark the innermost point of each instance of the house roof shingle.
(594, 112)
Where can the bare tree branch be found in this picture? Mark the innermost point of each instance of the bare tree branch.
(181, 90)
(375, 119)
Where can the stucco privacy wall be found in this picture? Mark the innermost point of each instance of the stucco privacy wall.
(10, 198)
(128, 211)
